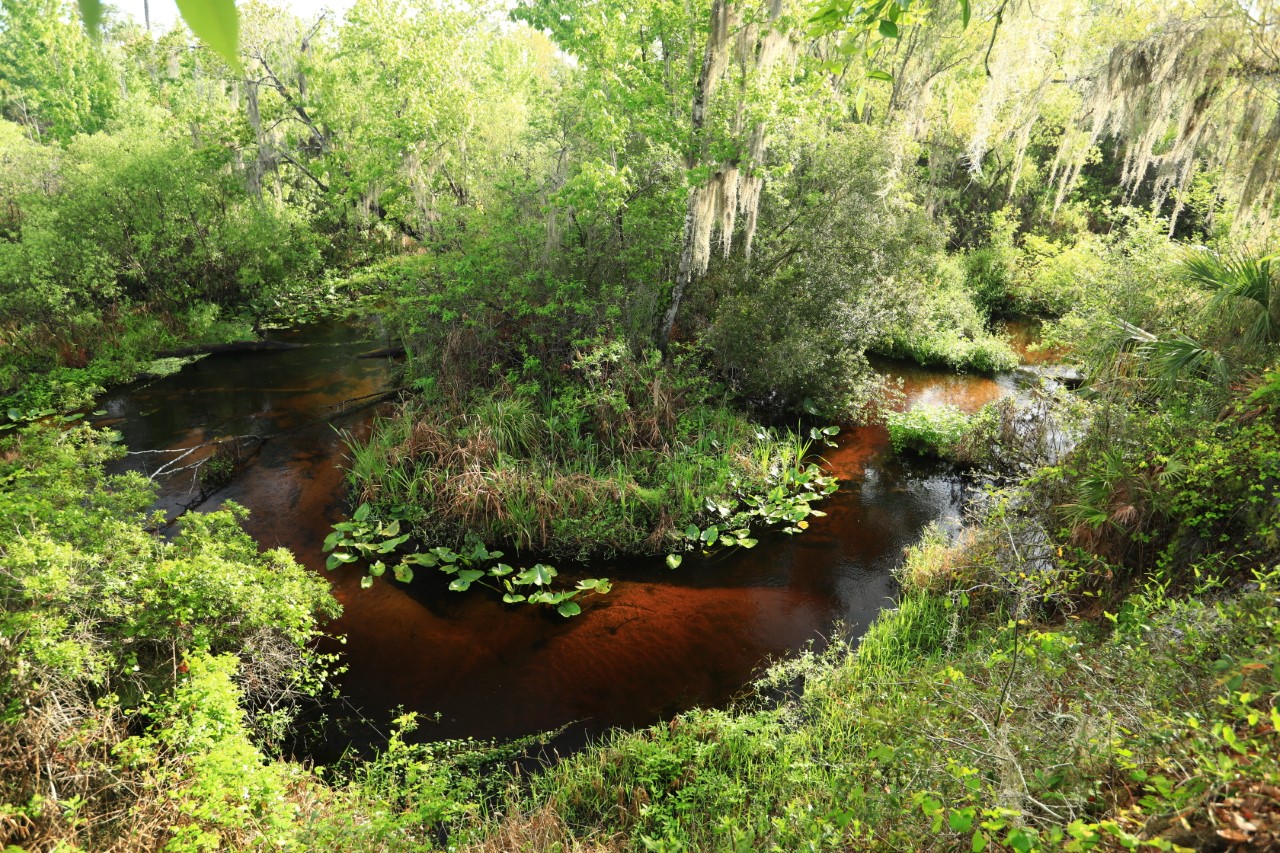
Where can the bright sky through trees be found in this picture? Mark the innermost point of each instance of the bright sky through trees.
(165, 12)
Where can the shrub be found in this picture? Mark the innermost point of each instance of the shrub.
(107, 627)
(946, 327)
(928, 429)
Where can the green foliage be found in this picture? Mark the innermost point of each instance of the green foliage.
(946, 327)
(1235, 280)
(989, 269)
(929, 429)
(789, 330)
(55, 81)
(214, 22)
(104, 622)
(163, 238)
(365, 539)
(225, 791)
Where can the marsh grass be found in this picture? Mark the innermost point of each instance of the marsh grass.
(619, 460)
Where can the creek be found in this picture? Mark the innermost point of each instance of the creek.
(662, 641)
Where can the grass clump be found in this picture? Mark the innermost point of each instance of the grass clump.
(619, 457)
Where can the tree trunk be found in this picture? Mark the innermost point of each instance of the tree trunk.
(716, 42)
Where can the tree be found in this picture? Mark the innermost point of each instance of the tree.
(53, 81)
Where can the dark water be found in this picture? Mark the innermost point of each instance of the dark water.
(661, 642)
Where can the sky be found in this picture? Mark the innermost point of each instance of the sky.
(165, 12)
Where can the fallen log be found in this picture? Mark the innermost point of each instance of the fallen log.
(385, 352)
(234, 346)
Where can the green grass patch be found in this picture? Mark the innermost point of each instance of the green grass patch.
(622, 458)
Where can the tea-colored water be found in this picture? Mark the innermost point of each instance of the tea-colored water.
(661, 642)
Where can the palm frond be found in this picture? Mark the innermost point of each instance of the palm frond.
(1233, 279)
(1178, 356)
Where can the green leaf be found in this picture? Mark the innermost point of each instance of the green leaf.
(748, 542)
(674, 561)
(366, 582)
(464, 579)
(889, 29)
(362, 512)
(964, 13)
(961, 820)
(877, 74)
(403, 572)
(569, 608)
(501, 570)
(1019, 840)
(512, 598)
(91, 12)
(690, 532)
(377, 569)
(709, 535)
(217, 24)
(539, 575)
(979, 841)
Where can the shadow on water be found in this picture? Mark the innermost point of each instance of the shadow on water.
(661, 642)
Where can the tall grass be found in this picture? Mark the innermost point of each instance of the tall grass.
(616, 462)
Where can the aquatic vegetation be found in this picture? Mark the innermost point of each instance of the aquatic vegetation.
(935, 429)
(374, 544)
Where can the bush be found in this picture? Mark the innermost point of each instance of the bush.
(989, 269)
(928, 429)
(946, 327)
(790, 335)
(106, 627)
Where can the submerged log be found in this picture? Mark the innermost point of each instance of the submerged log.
(385, 352)
(234, 346)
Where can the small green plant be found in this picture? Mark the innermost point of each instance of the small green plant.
(217, 470)
(787, 505)
(365, 538)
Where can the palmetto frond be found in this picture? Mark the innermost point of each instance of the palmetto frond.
(1238, 282)
(1175, 356)
(1179, 356)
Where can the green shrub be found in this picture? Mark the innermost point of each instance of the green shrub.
(106, 627)
(928, 429)
(946, 327)
(989, 269)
